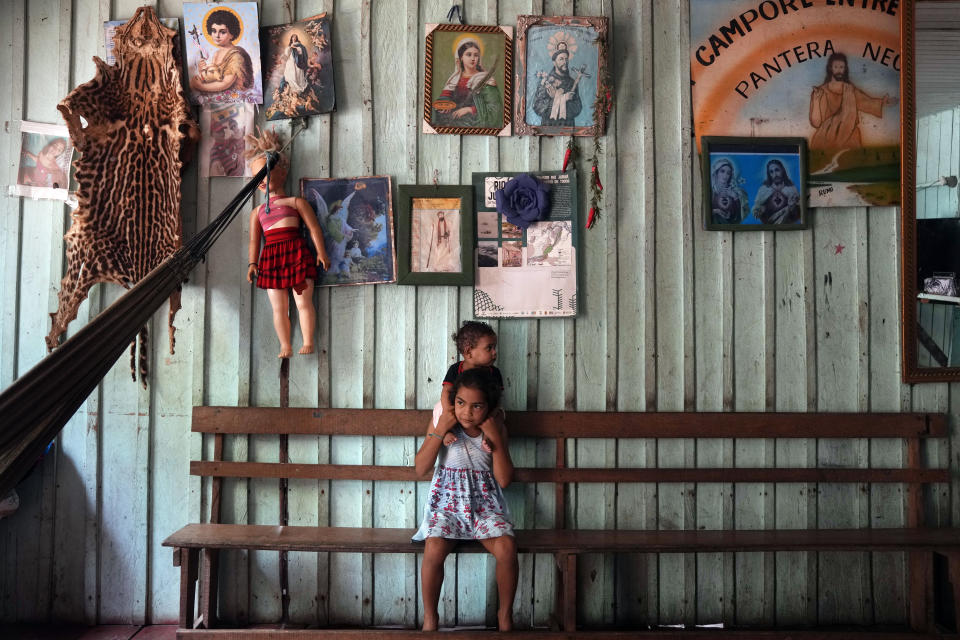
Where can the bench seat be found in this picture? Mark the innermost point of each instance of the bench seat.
(565, 541)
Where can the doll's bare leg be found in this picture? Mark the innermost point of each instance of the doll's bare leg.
(280, 301)
(308, 316)
(435, 551)
(504, 549)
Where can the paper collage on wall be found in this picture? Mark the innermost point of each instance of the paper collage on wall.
(223, 127)
(45, 155)
(223, 52)
(298, 77)
(356, 216)
(532, 272)
(825, 72)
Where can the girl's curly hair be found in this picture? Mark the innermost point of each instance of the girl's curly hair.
(267, 142)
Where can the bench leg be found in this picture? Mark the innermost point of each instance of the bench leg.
(567, 591)
(207, 600)
(187, 560)
(921, 590)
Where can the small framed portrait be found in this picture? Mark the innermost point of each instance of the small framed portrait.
(356, 217)
(45, 155)
(468, 80)
(298, 71)
(754, 183)
(435, 235)
(561, 61)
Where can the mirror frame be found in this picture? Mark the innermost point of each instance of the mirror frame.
(911, 371)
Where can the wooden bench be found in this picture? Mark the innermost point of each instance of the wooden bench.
(196, 546)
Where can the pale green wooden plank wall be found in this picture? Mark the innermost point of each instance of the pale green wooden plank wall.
(673, 318)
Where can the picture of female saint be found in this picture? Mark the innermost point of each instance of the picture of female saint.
(295, 64)
(470, 96)
(230, 72)
(728, 202)
(298, 76)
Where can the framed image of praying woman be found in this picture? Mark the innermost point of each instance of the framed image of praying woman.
(298, 72)
(435, 235)
(468, 76)
(558, 72)
(223, 52)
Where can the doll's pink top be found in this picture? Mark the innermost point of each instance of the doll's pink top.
(276, 214)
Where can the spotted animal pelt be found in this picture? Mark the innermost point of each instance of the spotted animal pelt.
(133, 130)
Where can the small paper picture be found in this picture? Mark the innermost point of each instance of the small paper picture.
(298, 76)
(487, 253)
(222, 129)
(435, 235)
(45, 155)
(356, 216)
(223, 52)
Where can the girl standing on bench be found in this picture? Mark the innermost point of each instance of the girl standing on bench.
(466, 501)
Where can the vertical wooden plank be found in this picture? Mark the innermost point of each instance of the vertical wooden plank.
(795, 504)
(887, 393)
(394, 46)
(674, 309)
(352, 312)
(841, 275)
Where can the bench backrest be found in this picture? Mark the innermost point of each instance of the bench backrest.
(912, 428)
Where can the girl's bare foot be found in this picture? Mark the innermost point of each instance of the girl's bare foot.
(430, 623)
(285, 351)
(307, 348)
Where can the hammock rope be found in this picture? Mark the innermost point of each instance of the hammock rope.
(36, 406)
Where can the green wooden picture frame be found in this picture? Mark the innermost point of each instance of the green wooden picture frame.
(754, 184)
(431, 221)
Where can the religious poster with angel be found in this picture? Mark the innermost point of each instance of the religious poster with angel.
(298, 76)
(223, 52)
(356, 215)
(45, 154)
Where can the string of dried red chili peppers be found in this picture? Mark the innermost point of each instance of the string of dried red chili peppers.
(601, 109)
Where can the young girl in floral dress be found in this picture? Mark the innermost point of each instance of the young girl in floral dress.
(466, 501)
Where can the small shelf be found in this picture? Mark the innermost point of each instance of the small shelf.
(932, 297)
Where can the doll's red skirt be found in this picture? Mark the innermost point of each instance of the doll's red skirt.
(285, 261)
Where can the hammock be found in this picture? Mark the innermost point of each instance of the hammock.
(35, 407)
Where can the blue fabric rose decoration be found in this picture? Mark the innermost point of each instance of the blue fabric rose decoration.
(523, 200)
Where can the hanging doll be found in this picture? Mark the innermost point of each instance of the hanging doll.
(286, 261)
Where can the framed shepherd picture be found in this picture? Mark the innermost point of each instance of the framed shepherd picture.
(753, 184)
(560, 63)
(356, 216)
(435, 234)
(468, 78)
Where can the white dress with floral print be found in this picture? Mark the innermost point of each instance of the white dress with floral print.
(465, 501)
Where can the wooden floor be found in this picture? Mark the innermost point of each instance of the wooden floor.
(102, 632)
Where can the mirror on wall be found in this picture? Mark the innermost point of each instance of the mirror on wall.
(930, 169)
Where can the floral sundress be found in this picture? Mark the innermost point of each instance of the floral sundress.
(465, 501)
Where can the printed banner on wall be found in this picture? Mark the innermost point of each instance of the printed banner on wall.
(824, 70)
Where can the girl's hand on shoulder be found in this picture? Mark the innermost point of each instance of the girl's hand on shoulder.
(445, 423)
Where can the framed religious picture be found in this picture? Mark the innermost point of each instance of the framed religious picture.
(435, 234)
(356, 216)
(45, 155)
(223, 52)
(754, 184)
(298, 72)
(468, 80)
(560, 70)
